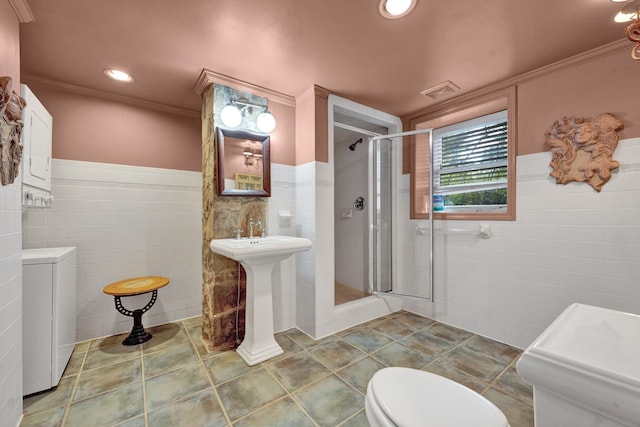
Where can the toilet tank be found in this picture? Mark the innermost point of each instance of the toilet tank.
(585, 369)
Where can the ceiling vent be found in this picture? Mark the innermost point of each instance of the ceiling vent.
(441, 90)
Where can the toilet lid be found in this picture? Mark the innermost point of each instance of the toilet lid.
(409, 397)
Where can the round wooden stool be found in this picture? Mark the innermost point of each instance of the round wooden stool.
(136, 286)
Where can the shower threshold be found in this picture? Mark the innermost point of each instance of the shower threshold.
(344, 294)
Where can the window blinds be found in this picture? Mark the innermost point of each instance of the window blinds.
(471, 156)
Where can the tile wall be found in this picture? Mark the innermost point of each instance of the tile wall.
(10, 304)
(306, 261)
(283, 200)
(316, 313)
(126, 221)
(568, 244)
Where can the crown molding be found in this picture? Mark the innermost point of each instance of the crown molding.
(208, 77)
(590, 55)
(111, 96)
(22, 11)
(313, 92)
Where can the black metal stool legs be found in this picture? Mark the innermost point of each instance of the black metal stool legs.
(137, 335)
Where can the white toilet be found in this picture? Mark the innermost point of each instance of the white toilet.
(408, 397)
(585, 369)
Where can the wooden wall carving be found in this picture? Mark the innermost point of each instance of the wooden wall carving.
(582, 149)
(11, 106)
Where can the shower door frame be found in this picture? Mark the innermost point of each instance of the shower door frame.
(372, 138)
(391, 137)
(371, 205)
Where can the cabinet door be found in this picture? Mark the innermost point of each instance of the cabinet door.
(37, 300)
(37, 141)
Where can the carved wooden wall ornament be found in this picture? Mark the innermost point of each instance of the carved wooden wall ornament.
(582, 149)
(11, 106)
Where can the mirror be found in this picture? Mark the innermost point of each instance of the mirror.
(244, 166)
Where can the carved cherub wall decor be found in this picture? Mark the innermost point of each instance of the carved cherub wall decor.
(11, 106)
(582, 149)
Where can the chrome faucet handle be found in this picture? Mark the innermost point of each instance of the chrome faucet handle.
(237, 234)
(251, 224)
(261, 228)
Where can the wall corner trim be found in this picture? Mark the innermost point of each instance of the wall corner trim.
(22, 11)
(208, 77)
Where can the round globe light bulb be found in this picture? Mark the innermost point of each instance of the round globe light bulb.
(266, 122)
(231, 116)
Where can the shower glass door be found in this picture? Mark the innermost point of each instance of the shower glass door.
(381, 215)
(402, 247)
(378, 247)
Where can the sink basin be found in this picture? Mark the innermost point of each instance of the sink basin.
(258, 256)
(270, 248)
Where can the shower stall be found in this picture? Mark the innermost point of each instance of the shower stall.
(379, 250)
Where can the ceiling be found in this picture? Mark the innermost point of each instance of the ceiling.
(289, 45)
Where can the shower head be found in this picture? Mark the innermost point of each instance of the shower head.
(352, 147)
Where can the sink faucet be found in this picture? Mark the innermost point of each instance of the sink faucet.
(253, 224)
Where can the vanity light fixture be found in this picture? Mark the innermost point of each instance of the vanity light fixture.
(252, 158)
(630, 12)
(257, 157)
(266, 122)
(119, 75)
(233, 114)
(393, 9)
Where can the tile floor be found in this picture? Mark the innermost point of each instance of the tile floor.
(172, 380)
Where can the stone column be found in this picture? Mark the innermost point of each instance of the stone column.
(223, 310)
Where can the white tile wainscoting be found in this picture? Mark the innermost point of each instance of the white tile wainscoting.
(129, 221)
(126, 221)
(10, 304)
(568, 244)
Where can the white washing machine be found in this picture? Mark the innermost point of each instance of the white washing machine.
(48, 315)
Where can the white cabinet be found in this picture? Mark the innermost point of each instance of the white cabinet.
(37, 137)
(48, 315)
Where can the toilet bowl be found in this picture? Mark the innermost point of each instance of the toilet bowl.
(409, 397)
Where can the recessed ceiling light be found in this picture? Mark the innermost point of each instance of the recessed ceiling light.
(119, 75)
(393, 9)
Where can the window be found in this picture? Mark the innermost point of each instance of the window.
(474, 153)
(470, 164)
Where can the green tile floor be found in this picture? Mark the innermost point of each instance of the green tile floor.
(172, 380)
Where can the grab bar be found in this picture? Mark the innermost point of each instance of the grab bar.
(484, 231)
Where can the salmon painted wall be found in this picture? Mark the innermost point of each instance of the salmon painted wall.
(9, 45)
(305, 128)
(91, 129)
(283, 137)
(312, 118)
(604, 84)
(608, 84)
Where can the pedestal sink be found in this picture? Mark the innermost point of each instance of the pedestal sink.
(258, 256)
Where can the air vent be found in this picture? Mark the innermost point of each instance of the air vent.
(441, 90)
